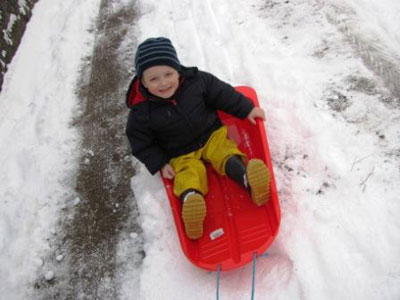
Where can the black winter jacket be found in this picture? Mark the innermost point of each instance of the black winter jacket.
(160, 129)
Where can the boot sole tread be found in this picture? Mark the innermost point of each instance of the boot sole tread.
(193, 214)
(259, 181)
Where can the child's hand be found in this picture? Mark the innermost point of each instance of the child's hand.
(256, 112)
(168, 171)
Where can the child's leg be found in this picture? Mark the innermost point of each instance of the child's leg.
(190, 173)
(254, 176)
(236, 170)
(228, 160)
(219, 149)
(190, 184)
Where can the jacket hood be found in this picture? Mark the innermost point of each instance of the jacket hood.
(134, 95)
(137, 93)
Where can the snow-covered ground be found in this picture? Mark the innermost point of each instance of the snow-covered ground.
(326, 74)
(38, 151)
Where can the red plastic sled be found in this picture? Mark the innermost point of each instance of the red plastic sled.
(234, 228)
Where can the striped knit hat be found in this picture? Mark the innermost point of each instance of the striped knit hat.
(156, 52)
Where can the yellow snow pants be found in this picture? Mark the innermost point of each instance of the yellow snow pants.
(190, 171)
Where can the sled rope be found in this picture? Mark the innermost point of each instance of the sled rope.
(218, 279)
(253, 276)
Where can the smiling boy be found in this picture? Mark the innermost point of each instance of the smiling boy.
(173, 127)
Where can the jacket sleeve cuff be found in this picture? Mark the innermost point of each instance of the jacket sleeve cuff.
(156, 166)
(247, 108)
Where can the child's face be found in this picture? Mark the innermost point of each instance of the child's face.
(161, 81)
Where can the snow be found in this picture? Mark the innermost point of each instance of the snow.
(60, 257)
(22, 6)
(333, 129)
(337, 179)
(8, 30)
(49, 276)
(38, 145)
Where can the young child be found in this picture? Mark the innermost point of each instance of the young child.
(173, 127)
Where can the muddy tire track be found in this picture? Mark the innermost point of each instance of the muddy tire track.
(106, 208)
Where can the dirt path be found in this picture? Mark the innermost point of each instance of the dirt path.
(106, 208)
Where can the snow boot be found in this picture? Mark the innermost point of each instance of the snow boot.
(236, 170)
(193, 214)
(259, 181)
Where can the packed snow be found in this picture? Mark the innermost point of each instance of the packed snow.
(333, 123)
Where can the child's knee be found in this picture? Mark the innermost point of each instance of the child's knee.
(191, 174)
